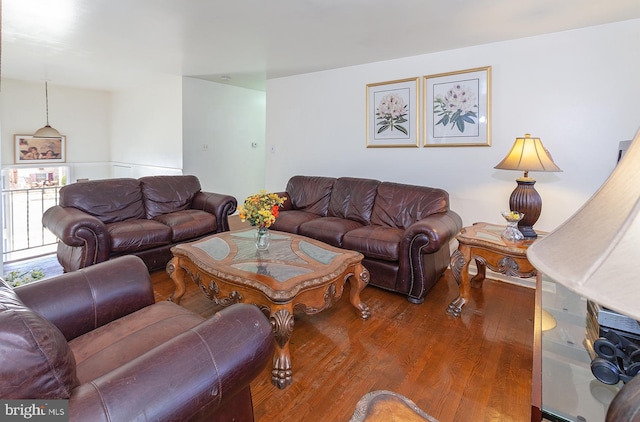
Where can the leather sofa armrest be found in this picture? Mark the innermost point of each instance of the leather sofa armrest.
(76, 228)
(189, 376)
(80, 301)
(437, 230)
(220, 205)
(286, 205)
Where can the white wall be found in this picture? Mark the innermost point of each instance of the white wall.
(146, 128)
(220, 124)
(576, 90)
(81, 115)
(139, 131)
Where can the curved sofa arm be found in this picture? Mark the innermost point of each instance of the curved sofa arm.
(220, 205)
(76, 228)
(286, 205)
(424, 252)
(435, 232)
(83, 300)
(190, 375)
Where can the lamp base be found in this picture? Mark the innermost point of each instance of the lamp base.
(526, 199)
(528, 232)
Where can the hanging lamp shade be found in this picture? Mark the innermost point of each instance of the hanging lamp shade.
(47, 131)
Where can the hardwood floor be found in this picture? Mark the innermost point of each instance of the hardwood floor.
(473, 368)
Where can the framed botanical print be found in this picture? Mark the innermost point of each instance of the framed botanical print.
(457, 108)
(392, 113)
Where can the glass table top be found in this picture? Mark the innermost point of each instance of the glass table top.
(287, 257)
(570, 392)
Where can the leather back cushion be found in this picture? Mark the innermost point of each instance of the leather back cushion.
(37, 362)
(110, 200)
(353, 199)
(399, 205)
(310, 193)
(165, 194)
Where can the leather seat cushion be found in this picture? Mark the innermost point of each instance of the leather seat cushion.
(310, 193)
(113, 345)
(379, 242)
(37, 362)
(399, 205)
(108, 200)
(329, 230)
(188, 224)
(290, 221)
(353, 199)
(166, 194)
(136, 235)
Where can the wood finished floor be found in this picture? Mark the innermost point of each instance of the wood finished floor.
(475, 368)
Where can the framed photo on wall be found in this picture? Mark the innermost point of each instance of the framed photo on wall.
(392, 113)
(457, 108)
(30, 150)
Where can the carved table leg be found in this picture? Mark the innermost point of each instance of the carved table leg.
(177, 274)
(460, 268)
(477, 280)
(282, 322)
(359, 281)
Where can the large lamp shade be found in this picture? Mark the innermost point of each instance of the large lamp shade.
(594, 252)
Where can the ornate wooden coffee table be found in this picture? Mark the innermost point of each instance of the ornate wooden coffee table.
(295, 274)
(483, 243)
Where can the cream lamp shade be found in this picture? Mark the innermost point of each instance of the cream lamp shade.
(528, 154)
(47, 132)
(594, 253)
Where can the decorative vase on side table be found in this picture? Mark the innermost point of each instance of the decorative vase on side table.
(511, 233)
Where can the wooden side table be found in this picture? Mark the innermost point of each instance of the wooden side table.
(483, 243)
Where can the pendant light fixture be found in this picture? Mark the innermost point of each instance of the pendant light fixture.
(47, 131)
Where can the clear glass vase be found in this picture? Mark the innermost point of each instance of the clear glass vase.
(263, 238)
(511, 232)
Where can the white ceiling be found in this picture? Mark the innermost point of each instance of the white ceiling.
(109, 44)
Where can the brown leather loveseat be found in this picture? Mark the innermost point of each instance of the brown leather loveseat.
(96, 338)
(102, 219)
(402, 230)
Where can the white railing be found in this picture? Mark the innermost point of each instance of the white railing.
(27, 192)
(23, 233)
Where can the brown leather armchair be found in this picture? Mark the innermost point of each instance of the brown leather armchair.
(96, 337)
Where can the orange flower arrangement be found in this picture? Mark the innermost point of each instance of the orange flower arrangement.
(261, 209)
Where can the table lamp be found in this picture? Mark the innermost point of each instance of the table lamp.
(527, 154)
(593, 254)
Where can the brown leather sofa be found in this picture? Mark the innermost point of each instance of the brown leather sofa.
(403, 231)
(102, 219)
(95, 337)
